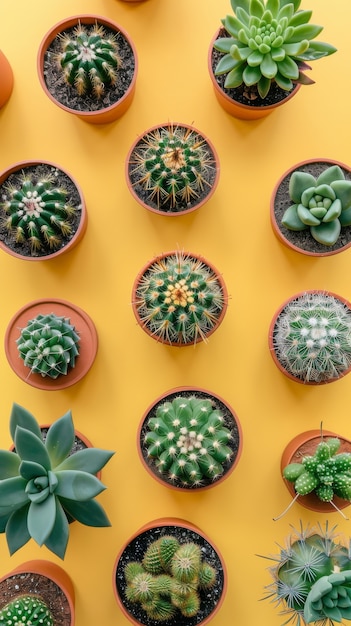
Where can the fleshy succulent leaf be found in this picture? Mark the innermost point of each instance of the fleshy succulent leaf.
(58, 539)
(41, 519)
(89, 513)
(21, 417)
(90, 460)
(76, 485)
(9, 464)
(326, 233)
(30, 447)
(59, 439)
(17, 534)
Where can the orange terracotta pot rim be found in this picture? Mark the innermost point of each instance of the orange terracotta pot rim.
(221, 282)
(7, 79)
(165, 125)
(274, 223)
(198, 390)
(78, 235)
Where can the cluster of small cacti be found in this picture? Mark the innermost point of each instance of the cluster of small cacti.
(172, 164)
(312, 337)
(312, 578)
(26, 610)
(37, 211)
(169, 578)
(179, 299)
(49, 345)
(89, 59)
(188, 440)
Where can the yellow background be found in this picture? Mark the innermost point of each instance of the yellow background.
(233, 231)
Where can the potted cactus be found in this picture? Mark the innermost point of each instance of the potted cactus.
(312, 577)
(51, 344)
(39, 591)
(189, 439)
(310, 337)
(257, 60)
(311, 207)
(43, 486)
(179, 298)
(172, 169)
(43, 211)
(169, 572)
(6, 79)
(87, 66)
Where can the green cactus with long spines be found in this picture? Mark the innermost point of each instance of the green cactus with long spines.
(49, 345)
(188, 441)
(172, 164)
(26, 610)
(37, 211)
(89, 59)
(312, 337)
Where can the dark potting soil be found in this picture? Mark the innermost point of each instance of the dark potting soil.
(135, 552)
(61, 180)
(229, 422)
(40, 586)
(67, 95)
(303, 239)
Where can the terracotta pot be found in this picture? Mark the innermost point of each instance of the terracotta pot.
(99, 116)
(79, 231)
(271, 333)
(44, 570)
(136, 302)
(151, 205)
(230, 421)
(168, 525)
(277, 208)
(305, 444)
(234, 108)
(6, 79)
(88, 343)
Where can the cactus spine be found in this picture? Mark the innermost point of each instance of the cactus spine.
(26, 610)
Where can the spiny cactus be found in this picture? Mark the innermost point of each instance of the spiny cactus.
(89, 59)
(323, 205)
(179, 299)
(26, 610)
(49, 345)
(173, 164)
(169, 578)
(188, 440)
(312, 337)
(37, 211)
(312, 578)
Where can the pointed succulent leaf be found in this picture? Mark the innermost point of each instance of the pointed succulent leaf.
(235, 77)
(283, 82)
(9, 464)
(75, 485)
(273, 7)
(251, 75)
(225, 64)
(295, 49)
(291, 219)
(317, 50)
(244, 4)
(30, 469)
(223, 44)
(21, 417)
(256, 8)
(286, 12)
(30, 447)
(278, 54)
(58, 538)
(255, 58)
(333, 212)
(345, 217)
(232, 25)
(302, 17)
(41, 519)
(326, 233)
(263, 86)
(288, 68)
(304, 31)
(331, 174)
(342, 189)
(244, 17)
(12, 491)
(90, 460)
(60, 439)
(306, 216)
(89, 513)
(303, 79)
(17, 534)
(299, 182)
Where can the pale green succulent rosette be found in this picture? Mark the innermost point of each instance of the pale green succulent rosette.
(330, 597)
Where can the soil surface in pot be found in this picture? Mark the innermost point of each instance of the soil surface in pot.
(61, 180)
(229, 422)
(67, 95)
(41, 586)
(303, 239)
(135, 552)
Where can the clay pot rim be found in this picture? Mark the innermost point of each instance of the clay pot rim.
(88, 343)
(78, 235)
(193, 207)
(199, 257)
(275, 226)
(197, 390)
(7, 79)
(271, 334)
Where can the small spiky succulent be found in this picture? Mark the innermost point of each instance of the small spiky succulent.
(312, 578)
(188, 440)
(37, 211)
(269, 41)
(49, 345)
(89, 59)
(174, 165)
(179, 299)
(169, 579)
(323, 205)
(26, 610)
(312, 337)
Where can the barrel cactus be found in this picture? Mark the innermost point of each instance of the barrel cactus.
(26, 610)
(49, 345)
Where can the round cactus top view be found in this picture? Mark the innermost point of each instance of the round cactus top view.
(26, 610)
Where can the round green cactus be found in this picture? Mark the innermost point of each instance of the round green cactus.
(323, 205)
(26, 610)
(269, 41)
(49, 345)
(89, 59)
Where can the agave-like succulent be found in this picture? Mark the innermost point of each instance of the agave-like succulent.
(42, 485)
(26, 610)
(321, 204)
(268, 42)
